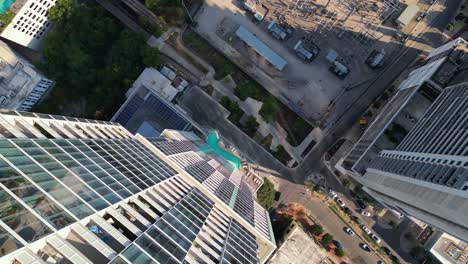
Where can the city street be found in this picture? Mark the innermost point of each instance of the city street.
(294, 193)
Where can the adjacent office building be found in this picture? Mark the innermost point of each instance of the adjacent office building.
(21, 84)
(413, 157)
(30, 24)
(84, 191)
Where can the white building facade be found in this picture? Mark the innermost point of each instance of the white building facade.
(30, 24)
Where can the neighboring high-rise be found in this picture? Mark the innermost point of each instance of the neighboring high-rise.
(30, 24)
(83, 191)
(21, 84)
(415, 95)
(413, 157)
(426, 176)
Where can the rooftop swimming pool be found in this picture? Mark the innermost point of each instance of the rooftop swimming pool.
(5, 5)
(213, 142)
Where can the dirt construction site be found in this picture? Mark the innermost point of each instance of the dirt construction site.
(345, 31)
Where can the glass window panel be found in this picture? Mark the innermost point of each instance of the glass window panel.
(136, 256)
(32, 196)
(156, 250)
(8, 243)
(18, 218)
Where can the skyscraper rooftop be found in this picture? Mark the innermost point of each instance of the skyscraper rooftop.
(85, 191)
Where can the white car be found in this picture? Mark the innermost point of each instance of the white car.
(349, 231)
(365, 213)
(376, 238)
(340, 203)
(367, 230)
(332, 194)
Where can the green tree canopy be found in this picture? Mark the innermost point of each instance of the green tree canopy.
(270, 107)
(150, 57)
(93, 60)
(316, 230)
(339, 252)
(266, 194)
(327, 239)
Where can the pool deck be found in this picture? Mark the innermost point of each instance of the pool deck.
(213, 142)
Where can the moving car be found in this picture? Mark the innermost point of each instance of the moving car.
(376, 238)
(339, 202)
(349, 231)
(365, 213)
(367, 230)
(365, 247)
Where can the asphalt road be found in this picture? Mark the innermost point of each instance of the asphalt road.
(368, 92)
(331, 223)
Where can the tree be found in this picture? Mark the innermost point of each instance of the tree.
(251, 123)
(339, 252)
(316, 230)
(266, 194)
(61, 11)
(152, 4)
(270, 107)
(150, 57)
(327, 239)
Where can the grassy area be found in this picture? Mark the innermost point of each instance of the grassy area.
(5, 19)
(221, 64)
(281, 154)
(272, 108)
(249, 127)
(173, 43)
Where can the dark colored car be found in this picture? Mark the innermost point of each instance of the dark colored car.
(387, 250)
(338, 244)
(361, 204)
(356, 219)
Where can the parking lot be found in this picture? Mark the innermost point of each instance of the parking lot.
(352, 30)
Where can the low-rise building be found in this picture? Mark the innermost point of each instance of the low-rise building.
(448, 249)
(21, 84)
(30, 24)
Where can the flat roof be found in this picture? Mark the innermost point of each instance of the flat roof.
(262, 49)
(408, 14)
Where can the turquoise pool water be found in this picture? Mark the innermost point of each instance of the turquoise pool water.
(213, 143)
(5, 5)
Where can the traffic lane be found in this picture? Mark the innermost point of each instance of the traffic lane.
(335, 226)
(294, 193)
(371, 223)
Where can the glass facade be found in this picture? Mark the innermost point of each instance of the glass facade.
(118, 200)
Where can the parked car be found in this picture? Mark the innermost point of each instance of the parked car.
(376, 238)
(365, 213)
(421, 16)
(339, 202)
(356, 219)
(361, 204)
(349, 231)
(365, 247)
(380, 262)
(332, 194)
(338, 244)
(367, 230)
(387, 251)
